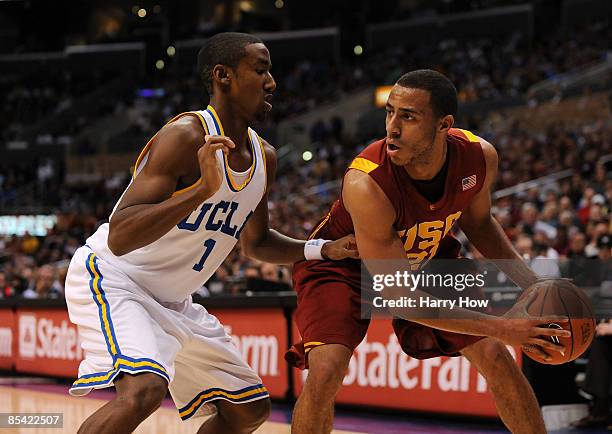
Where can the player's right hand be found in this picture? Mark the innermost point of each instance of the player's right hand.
(342, 248)
(210, 169)
(518, 328)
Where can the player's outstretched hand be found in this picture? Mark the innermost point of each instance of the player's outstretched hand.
(345, 247)
(212, 174)
(533, 334)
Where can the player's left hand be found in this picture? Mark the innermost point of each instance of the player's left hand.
(345, 247)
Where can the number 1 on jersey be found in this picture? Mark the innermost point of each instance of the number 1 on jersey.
(208, 244)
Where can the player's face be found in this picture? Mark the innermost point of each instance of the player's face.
(254, 85)
(411, 126)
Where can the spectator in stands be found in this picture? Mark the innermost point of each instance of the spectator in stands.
(542, 239)
(535, 255)
(524, 245)
(531, 224)
(544, 265)
(595, 230)
(603, 264)
(29, 244)
(17, 283)
(45, 284)
(576, 266)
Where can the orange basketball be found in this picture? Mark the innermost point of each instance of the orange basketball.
(562, 298)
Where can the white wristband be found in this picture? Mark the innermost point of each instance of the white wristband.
(312, 249)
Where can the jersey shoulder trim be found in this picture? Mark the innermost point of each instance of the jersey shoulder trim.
(147, 147)
(470, 136)
(363, 165)
(233, 185)
(263, 157)
(186, 189)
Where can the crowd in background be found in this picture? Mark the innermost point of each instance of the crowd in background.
(565, 219)
(483, 69)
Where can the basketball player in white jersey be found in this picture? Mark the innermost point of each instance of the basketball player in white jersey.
(199, 185)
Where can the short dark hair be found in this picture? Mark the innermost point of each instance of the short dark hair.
(222, 49)
(443, 95)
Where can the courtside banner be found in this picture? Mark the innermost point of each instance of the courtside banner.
(8, 339)
(381, 375)
(47, 343)
(261, 336)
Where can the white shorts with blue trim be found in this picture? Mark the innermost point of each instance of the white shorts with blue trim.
(123, 329)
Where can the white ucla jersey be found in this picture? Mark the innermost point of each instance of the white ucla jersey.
(181, 261)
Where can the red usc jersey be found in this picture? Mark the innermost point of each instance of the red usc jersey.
(424, 227)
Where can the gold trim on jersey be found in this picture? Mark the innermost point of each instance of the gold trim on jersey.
(263, 157)
(186, 189)
(234, 186)
(470, 135)
(145, 150)
(213, 112)
(319, 226)
(363, 165)
(310, 345)
(150, 142)
(228, 171)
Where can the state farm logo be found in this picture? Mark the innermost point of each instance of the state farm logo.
(6, 342)
(260, 351)
(27, 336)
(42, 338)
(378, 364)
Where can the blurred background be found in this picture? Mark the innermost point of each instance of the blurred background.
(84, 85)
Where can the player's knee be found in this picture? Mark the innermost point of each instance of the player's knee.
(327, 372)
(496, 352)
(492, 355)
(143, 395)
(245, 418)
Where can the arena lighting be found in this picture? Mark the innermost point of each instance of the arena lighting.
(151, 93)
(358, 50)
(381, 94)
(37, 225)
(279, 4)
(307, 156)
(160, 64)
(246, 6)
(142, 12)
(171, 50)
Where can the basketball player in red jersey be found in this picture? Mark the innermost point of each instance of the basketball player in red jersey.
(401, 196)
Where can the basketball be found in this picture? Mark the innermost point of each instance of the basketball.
(561, 297)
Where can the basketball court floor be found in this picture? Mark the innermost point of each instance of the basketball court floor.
(36, 397)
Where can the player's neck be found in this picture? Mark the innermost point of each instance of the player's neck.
(233, 126)
(430, 165)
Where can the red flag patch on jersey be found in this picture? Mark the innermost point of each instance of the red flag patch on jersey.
(469, 182)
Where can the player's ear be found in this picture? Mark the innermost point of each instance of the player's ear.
(447, 123)
(221, 74)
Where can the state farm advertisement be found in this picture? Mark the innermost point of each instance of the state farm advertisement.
(8, 341)
(47, 343)
(261, 337)
(381, 375)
